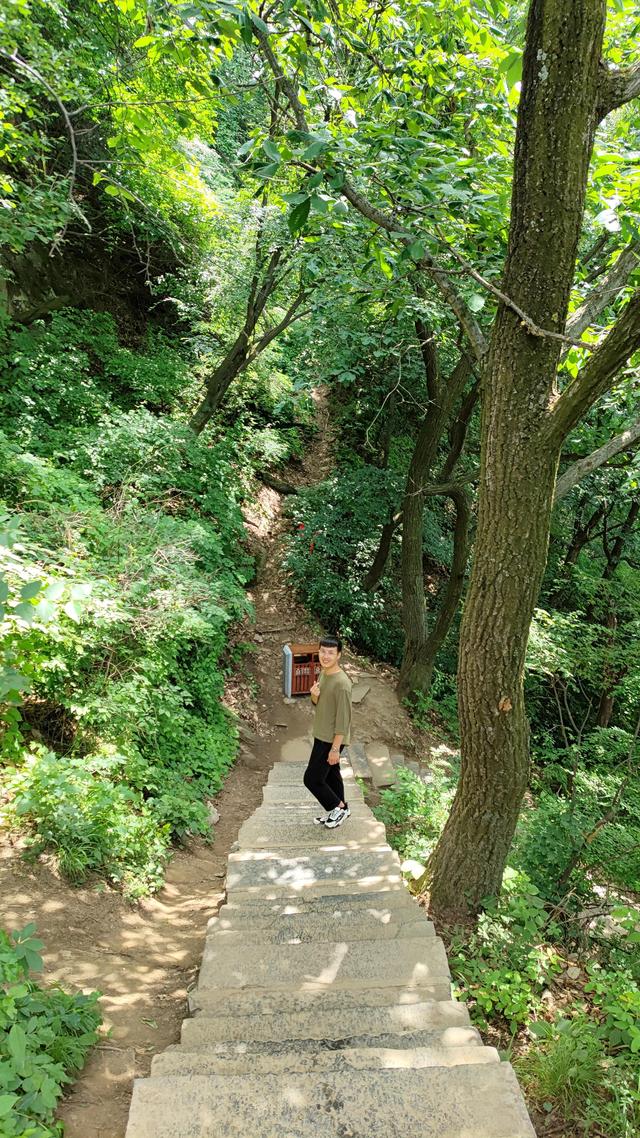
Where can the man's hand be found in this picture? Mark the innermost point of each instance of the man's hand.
(315, 692)
(333, 757)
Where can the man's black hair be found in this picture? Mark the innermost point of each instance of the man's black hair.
(331, 642)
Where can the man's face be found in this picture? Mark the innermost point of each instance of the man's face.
(328, 656)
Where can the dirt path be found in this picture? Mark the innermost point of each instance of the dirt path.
(145, 958)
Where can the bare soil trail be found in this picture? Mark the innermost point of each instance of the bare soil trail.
(144, 958)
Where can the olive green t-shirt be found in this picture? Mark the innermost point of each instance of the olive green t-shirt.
(333, 710)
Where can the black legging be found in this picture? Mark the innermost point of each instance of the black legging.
(323, 779)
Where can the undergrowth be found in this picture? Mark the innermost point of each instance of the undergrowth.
(45, 1035)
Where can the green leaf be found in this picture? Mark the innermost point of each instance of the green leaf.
(17, 1047)
(54, 590)
(271, 150)
(144, 41)
(72, 611)
(44, 611)
(476, 302)
(25, 611)
(298, 217)
(259, 24)
(7, 1103)
(31, 590)
(416, 250)
(267, 171)
(313, 151)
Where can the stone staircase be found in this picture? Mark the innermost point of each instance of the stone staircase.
(323, 1007)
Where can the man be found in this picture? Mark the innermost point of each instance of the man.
(331, 730)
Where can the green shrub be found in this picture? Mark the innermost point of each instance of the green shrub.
(94, 824)
(45, 1034)
(570, 1066)
(503, 966)
(415, 811)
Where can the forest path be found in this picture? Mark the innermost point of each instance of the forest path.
(144, 957)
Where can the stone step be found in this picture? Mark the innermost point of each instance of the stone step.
(308, 808)
(300, 929)
(405, 963)
(263, 871)
(384, 905)
(290, 774)
(447, 1020)
(261, 832)
(258, 1002)
(358, 760)
(281, 794)
(182, 1062)
(382, 769)
(480, 1100)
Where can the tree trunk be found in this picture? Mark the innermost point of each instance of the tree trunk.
(583, 534)
(519, 462)
(220, 381)
(448, 604)
(373, 576)
(415, 674)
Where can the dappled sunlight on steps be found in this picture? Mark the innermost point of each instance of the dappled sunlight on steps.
(323, 1006)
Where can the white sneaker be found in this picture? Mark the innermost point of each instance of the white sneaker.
(320, 819)
(337, 817)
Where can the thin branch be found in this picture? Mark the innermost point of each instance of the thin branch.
(533, 328)
(626, 440)
(378, 216)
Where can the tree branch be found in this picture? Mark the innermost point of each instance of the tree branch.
(617, 88)
(598, 372)
(606, 291)
(627, 440)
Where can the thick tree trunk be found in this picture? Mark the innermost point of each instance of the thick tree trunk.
(556, 122)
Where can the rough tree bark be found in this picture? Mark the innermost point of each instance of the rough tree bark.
(556, 122)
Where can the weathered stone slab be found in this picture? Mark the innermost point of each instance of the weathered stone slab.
(287, 795)
(182, 1062)
(320, 929)
(295, 751)
(261, 873)
(359, 692)
(382, 770)
(447, 1019)
(358, 760)
(405, 963)
(478, 1101)
(261, 832)
(236, 1001)
(291, 774)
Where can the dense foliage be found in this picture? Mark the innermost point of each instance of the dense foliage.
(45, 1034)
(215, 201)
